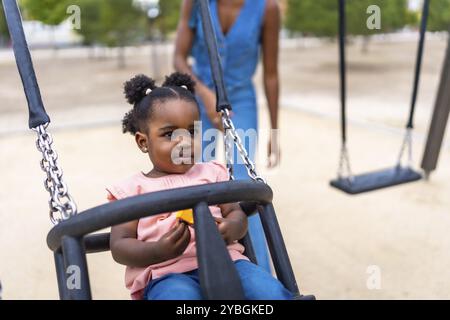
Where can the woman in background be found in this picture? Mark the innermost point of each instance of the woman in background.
(243, 28)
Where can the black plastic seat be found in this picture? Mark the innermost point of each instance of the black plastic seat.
(72, 239)
(376, 180)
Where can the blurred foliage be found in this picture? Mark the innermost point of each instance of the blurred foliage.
(320, 17)
(51, 12)
(120, 23)
(169, 15)
(313, 17)
(439, 15)
(107, 22)
(91, 28)
(394, 16)
(4, 35)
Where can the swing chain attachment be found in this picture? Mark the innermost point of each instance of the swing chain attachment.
(60, 200)
(228, 144)
(344, 170)
(406, 146)
(230, 135)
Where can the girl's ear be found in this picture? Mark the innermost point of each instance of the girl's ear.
(141, 141)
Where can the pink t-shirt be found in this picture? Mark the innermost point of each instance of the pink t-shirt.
(154, 227)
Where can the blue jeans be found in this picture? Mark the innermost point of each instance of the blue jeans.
(256, 282)
(245, 118)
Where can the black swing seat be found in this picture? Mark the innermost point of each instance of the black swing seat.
(71, 239)
(376, 180)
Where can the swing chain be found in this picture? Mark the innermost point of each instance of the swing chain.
(230, 133)
(60, 200)
(344, 164)
(406, 146)
(228, 144)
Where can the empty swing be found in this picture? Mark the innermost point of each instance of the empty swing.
(399, 174)
(72, 236)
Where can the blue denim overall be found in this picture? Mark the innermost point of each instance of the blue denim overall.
(239, 53)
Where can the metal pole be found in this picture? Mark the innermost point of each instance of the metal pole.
(249, 251)
(219, 279)
(76, 271)
(342, 69)
(439, 119)
(278, 252)
(423, 29)
(60, 275)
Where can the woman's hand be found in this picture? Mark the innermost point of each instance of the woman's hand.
(273, 150)
(230, 229)
(173, 243)
(209, 100)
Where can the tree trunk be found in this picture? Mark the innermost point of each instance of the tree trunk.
(121, 63)
(365, 45)
(90, 52)
(155, 59)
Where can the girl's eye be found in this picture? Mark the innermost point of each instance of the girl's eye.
(168, 134)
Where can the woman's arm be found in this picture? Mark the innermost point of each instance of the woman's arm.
(183, 46)
(270, 47)
(126, 249)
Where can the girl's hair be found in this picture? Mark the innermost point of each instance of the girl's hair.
(142, 92)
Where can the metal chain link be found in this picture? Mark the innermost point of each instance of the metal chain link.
(344, 165)
(406, 145)
(60, 201)
(229, 154)
(231, 134)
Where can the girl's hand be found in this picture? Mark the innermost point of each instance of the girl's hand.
(173, 243)
(230, 229)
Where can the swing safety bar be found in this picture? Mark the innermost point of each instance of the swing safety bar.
(72, 238)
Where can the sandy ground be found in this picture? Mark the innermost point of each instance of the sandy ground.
(332, 238)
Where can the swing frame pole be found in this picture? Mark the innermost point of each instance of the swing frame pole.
(439, 119)
(343, 69)
(419, 58)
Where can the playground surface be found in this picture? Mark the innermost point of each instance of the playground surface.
(335, 241)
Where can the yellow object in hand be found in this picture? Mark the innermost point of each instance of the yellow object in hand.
(186, 215)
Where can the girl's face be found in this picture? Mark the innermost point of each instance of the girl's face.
(169, 139)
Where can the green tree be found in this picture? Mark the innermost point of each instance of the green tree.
(113, 23)
(121, 24)
(394, 16)
(91, 30)
(319, 18)
(109, 22)
(439, 15)
(50, 12)
(169, 15)
(4, 34)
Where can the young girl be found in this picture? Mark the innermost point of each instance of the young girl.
(159, 251)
